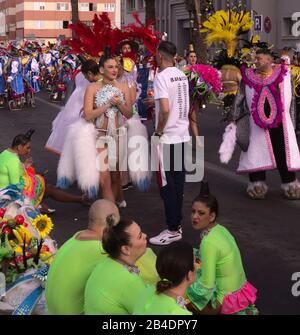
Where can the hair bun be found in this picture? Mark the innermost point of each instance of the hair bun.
(163, 285)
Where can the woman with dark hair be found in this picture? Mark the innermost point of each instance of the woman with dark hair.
(115, 284)
(176, 268)
(11, 168)
(221, 286)
(24, 176)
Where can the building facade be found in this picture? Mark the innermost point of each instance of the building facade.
(173, 18)
(131, 6)
(46, 20)
(281, 14)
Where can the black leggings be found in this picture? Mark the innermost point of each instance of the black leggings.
(277, 139)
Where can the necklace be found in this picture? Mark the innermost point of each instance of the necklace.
(180, 301)
(265, 73)
(131, 268)
(112, 82)
(206, 231)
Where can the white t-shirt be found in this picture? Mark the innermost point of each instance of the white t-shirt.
(173, 85)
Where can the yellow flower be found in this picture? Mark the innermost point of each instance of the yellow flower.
(22, 234)
(43, 224)
(47, 257)
(16, 248)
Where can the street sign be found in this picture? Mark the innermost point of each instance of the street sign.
(268, 24)
(258, 19)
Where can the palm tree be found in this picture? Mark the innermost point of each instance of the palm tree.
(198, 13)
(75, 14)
(201, 48)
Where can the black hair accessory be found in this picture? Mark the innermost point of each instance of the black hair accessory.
(106, 55)
(204, 189)
(107, 52)
(29, 134)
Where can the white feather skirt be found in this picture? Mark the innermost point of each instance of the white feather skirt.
(228, 145)
(78, 159)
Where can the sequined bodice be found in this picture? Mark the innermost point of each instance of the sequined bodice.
(102, 97)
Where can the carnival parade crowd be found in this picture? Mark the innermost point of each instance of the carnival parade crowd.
(111, 80)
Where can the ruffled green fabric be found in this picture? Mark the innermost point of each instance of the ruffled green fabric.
(200, 295)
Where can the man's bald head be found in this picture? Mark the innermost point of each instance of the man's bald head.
(100, 210)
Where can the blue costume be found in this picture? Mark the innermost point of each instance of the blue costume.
(15, 76)
(31, 74)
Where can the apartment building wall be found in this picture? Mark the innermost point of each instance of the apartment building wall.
(49, 19)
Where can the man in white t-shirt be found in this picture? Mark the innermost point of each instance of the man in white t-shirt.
(171, 94)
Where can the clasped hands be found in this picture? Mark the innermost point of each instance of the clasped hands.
(115, 101)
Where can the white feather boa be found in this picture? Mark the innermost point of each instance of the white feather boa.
(228, 145)
(78, 158)
(141, 175)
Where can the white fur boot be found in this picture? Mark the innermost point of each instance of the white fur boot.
(291, 190)
(257, 190)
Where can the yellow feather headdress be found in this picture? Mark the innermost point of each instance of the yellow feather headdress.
(226, 26)
(295, 72)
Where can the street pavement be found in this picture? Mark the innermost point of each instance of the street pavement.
(267, 231)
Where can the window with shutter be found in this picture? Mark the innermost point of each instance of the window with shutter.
(65, 24)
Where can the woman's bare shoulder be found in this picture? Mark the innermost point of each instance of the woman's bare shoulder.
(93, 87)
(122, 86)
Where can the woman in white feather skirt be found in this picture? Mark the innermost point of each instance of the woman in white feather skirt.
(70, 113)
(91, 151)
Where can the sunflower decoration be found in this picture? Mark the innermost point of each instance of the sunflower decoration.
(43, 224)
